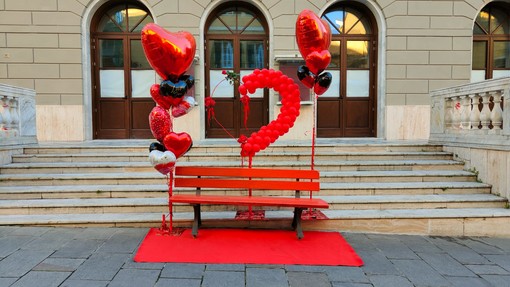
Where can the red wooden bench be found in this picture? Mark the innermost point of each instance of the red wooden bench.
(249, 179)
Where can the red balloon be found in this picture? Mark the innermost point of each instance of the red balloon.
(318, 61)
(160, 123)
(312, 34)
(164, 101)
(178, 143)
(169, 54)
(288, 89)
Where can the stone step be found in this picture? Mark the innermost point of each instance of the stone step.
(197, 157)
(160, 190)
(440, 222)
(137, 205)
(229, 146)
(120, 167)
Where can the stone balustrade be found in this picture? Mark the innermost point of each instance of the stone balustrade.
(477, 113)
(472, 121)
(17, 116)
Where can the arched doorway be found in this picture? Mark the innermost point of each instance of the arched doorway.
(121, 75)
(491, 42)
(349, 107)
(236, 39)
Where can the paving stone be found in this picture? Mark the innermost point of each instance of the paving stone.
(135, 277)
(446, 265)
(223, 279)
(130, 264)
(266, 277)
(101, 266)
(59, 264)
(39, 278)
(177, 282)
(78, 248)
(376, 263)
(393, 248)
(304, 279)
(497, 280)
(358, 241)
(304, 268)
(21, 261)
(467, 282)
(9, 244)
(225, 267)
(346, 274)
(124, 241)
(178, 270)
(30, 231)
(7, 230)
(53, 239)
(501, 243)
(461, 253)
(502, 260)
(479, 246)
(350, 284)
(390, 281)
(419, 244)
(84, 283)
(420, 273)
(277, 266)
(99, 233)
(5, 281)
(488, 269)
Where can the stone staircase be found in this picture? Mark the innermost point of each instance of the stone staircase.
(371, 187)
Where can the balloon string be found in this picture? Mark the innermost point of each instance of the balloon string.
(170, 181)
(314, 136)
(250, 160)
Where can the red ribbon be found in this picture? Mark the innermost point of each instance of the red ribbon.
(209, 106)
(246, 104)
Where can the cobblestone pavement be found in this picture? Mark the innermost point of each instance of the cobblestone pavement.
(90, 257)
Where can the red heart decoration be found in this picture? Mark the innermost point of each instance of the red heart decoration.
(164, 101)
(178, 143)
(163, 161)
(318, 61)
(169, 54)
(312, 33)
(160, 123)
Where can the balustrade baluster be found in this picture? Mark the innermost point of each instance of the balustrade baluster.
(465, 112)
(456, 113)
(448, 114)
(485, 114)
(474, 117)
(496, 115)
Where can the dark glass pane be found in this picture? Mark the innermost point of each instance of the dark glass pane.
(334, 50)
(252, 54)
(483, 21)
(255, 28)
(222, 54)
(479, 55)
(119, 16)
(357, 54)
(138, 59)
(350, 22)
(502, 55)
(135, 16)
(477, 30)
(217, 27)
(111, 54)
(107, 25)
(497, 18)
(335, 20)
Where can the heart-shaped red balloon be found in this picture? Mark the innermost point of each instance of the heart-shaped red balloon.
(169, 54)
(178, 143)
(160, 123)
(163, 161)
(312, 34)
(318, 61)
(164, 101)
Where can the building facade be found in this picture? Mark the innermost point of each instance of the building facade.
(85, 62)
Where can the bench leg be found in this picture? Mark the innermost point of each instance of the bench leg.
(296, 222)
(197, 220)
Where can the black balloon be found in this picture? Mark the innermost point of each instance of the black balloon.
(188, 79)
(176, 90)
(305, 76)
(157, 146)
(322, 83)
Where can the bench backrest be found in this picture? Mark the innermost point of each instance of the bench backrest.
(247, 178)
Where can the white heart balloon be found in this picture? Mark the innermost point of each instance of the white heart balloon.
(163, 162)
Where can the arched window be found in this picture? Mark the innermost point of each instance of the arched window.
(122, 75)
(347, 109)
(491, 43)
(236, 39)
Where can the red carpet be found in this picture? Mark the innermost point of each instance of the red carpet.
(230, 246)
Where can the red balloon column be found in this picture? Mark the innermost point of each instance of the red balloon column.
(289, 92)
(170, 55)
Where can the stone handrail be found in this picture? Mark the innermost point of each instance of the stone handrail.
(472, 114)
(17, 116)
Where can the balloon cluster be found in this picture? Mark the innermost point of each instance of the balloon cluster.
(313, 37)
(291, 103)
(170, 55)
